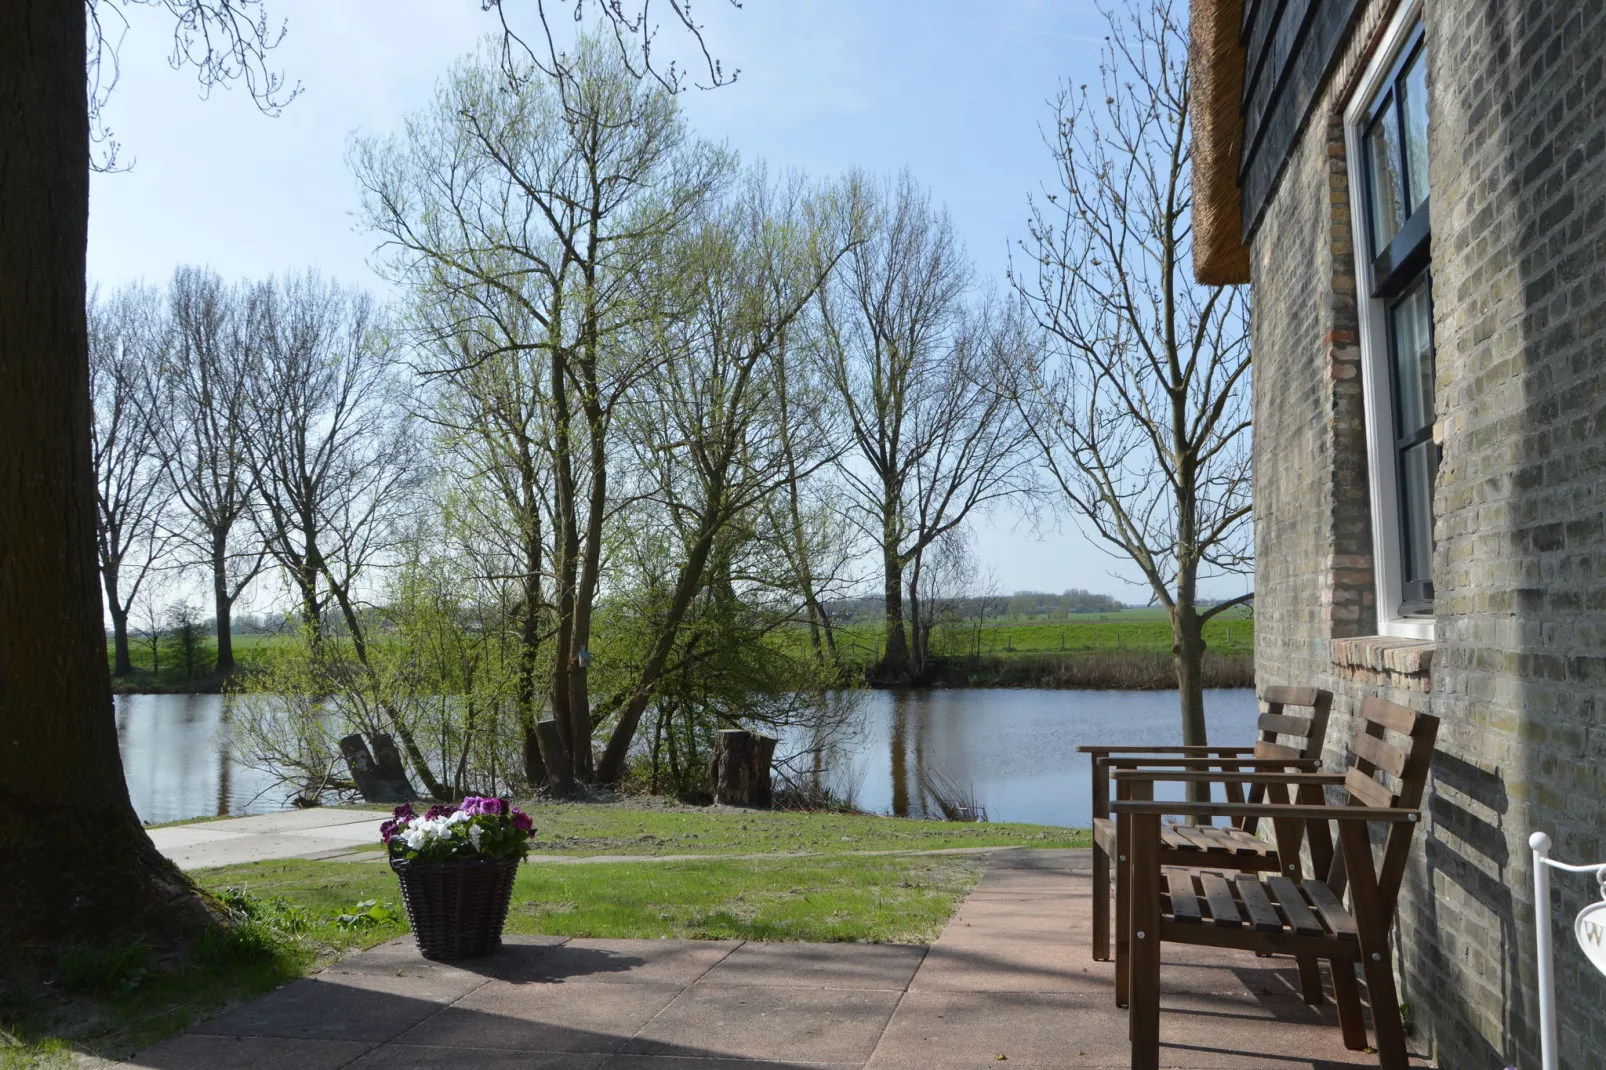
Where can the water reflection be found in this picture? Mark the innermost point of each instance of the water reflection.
(178, 761)
(1013, 751)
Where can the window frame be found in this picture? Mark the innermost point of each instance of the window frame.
(1396, 263)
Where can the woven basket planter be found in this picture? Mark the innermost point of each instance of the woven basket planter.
(457, 908)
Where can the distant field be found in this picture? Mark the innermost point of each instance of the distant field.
(1144, 630)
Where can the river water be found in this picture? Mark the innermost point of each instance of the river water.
(1011, 751)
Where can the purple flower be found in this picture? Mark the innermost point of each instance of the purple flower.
(387, 830)
(404, 812)
(521, 821)
(436, 812)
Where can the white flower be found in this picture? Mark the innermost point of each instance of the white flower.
(474, 834)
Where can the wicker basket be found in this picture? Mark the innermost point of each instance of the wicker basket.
(457, 908)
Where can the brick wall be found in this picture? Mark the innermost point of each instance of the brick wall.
(1518, 178)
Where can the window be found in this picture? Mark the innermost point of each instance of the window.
(1387, 141)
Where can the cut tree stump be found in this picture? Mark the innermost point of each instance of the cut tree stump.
(381, 780)
(559, 776)
(740, 770)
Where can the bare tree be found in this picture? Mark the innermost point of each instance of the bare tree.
(1139, 403)
(329, 443)
(199, 407)
(126, 345)
(526, 222)
(706, 420)
(936, 437)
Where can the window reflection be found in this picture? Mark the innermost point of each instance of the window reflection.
(1413, 360)
(1383, 152)
(1414, 107)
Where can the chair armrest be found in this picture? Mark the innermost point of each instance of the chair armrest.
(1247, 765)
(1164, 750)
(1212, 777)
(1272, 810)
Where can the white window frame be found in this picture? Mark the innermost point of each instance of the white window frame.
(1376, 383)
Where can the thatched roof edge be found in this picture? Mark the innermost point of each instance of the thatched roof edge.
(1216, 57)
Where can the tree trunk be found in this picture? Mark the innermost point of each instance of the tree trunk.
(78, 865)
(125, 664)
(894, 667)
(740, 770)
(222, 603)
(1187, 649)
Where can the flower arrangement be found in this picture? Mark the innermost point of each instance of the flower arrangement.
(480, 829)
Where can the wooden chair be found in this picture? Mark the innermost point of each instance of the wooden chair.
(1288, 914)
(1235, 847)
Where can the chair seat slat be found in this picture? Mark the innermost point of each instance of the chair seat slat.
(1262, 915)
(1332, 911)
(1218, 896)
(1196, 836)
(1184, 903)
(1293, 907)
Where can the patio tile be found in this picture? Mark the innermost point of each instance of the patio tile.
(886, 967)
(196, 1051)
(569, 1017)
(371, 1008)
(756, 1022)
(703, 1062)
(678, 962)
(416, 1057)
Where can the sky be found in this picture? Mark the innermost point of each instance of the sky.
(953, 91)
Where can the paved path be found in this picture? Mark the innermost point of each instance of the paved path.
(1009, 982)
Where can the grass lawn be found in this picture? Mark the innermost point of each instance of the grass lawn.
(590, 829)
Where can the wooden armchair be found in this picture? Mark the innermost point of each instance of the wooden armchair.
(1287, 914)
(1234, 847)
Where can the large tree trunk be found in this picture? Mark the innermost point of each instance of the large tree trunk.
(1187, 649)
(894, 667)
(77, 863)
(222, 603)
(125, 664)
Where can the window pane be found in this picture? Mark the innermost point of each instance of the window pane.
(1417, 466)
(1383, 161)
(1414, 106)
(1411, 327)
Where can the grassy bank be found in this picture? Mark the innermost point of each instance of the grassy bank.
(1128, 650)
(816, 884)
(1119, 670)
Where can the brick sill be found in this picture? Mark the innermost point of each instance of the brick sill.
(1385, 660)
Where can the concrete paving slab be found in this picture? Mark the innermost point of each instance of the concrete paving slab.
(371, 1008)
(679, 962)
(570, 1017)
(416, 1057)
(197, 1051)
(753, 1022)
(885, 967)
(702, 1062)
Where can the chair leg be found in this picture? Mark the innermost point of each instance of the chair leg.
(1310, 981)
(1391, 1053)
(1123, 922)
(1101, 905)
(1144, 1017)
(1348, 996)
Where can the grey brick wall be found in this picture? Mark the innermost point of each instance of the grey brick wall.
(1518, 178)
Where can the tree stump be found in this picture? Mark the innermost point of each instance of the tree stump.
(740, 770)
(384, 780)
(559, 775)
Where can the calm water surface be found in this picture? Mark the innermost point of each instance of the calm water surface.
(1014, 751)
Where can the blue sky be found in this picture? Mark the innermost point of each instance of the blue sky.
(952, 90)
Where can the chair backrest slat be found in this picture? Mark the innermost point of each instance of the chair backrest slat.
(1310, 731)
(1285, 725)
(1408, 764)
(1276, 751)
(1293, 696)
(1366, 790)
(1380, 752)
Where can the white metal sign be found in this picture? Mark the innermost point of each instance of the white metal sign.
(1590, 929)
